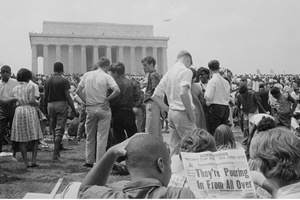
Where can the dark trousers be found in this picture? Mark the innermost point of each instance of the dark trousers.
(123, 120)
(6, 118)
(218, 114)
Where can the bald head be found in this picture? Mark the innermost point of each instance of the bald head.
(144, 150)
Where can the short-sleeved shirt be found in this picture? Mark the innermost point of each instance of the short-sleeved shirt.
(147, 188)
(217, 91)
(96, 84)
(55, 87)
(7, 88)
(171, 83)
(153, 81)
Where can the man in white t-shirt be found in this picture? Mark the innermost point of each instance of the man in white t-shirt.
(176, 84)
(96, 84)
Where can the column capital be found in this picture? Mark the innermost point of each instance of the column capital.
(132, 47)
(83, 46)
(58, 45)
(71, 45)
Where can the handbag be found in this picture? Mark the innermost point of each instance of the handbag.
(42, 119)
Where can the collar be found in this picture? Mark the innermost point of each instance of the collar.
(142, 183)
(216, 74)
(154, 70)
(5, 82)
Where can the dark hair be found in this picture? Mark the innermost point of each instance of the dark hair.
(118, 67)
(214, 65)
(150, 60)
(266, 123)
(6, 67)
(275, 90)
(58, 67)
(103, 62)
(24, 75)
(203, 70)
(243, 89)
(194, 73)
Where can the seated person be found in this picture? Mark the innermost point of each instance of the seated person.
(278, 151)
(197, 140)
(149, 165)
(225, 139)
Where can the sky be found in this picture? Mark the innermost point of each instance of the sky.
(243, 35)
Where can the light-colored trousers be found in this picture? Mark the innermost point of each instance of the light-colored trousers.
(138, 118)
(97, 129)
(179, 123)
(153, 123)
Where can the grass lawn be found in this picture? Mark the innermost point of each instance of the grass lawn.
(16, 180)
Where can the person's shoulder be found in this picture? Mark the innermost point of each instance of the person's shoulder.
(98, 192)
(179, 193)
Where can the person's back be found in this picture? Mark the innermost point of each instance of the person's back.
(264, 96)
(55, 86)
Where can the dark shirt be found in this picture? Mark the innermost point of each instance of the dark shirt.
(147, 188)
(55, 87)
(129, 96)
(264, 96)
(153, 81)
(248, 101)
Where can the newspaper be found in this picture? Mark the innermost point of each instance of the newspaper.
(223, 174)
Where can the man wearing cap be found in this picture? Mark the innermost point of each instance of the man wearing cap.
(176, 84)
(7, 101)
(217, 97)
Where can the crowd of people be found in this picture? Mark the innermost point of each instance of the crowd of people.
(201, 106)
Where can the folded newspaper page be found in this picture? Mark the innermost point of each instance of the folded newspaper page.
(223, 174)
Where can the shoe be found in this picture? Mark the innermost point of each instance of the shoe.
(34, 165)
(78, 138)
(88, 165)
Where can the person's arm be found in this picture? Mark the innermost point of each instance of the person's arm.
(209, 92)
(101, 171)
(257, 101)
(291, 99)
(184, 95)
(5, 102)
(32, 98)
(80, 94)
(250, 137)
(137, 97)
(160, 102)
(46, 94)
(71, 103)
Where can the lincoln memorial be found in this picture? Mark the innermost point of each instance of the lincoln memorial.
(79, 46)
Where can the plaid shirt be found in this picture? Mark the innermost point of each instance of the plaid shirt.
(153, 81)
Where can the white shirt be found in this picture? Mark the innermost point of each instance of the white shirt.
(7, 88)
(218, 90)
(96, 83)
(255, 119)
(36, 88)
(289, 192)
(176, 77)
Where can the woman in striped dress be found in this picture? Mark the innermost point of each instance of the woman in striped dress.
(26, 125)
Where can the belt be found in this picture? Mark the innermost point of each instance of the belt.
(123, 108)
